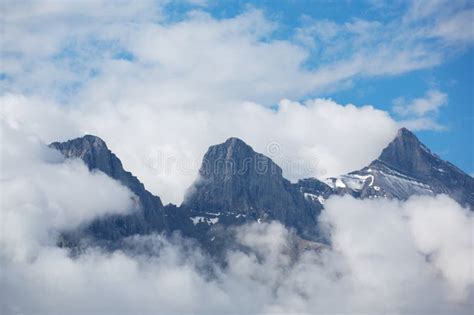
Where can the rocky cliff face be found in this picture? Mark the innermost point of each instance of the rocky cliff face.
(236, 184)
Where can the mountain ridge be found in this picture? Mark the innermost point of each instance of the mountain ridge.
(237, 185)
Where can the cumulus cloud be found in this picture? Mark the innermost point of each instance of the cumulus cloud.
(42, 193)
(164, 146)
(408, 241)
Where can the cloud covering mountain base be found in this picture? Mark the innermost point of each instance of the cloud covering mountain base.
(386, 257)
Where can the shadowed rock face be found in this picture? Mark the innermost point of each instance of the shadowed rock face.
(407, 155)
(236, 182)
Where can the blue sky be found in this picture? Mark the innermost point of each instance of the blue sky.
(454, 76)
(144, 68)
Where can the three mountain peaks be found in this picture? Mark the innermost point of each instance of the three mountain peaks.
(237, 185)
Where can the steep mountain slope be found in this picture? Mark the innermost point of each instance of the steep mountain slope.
(236, 185)
(151, 216)
(405, 167)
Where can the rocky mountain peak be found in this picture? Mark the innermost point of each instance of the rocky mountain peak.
(236, 143)
(408, 155)
(234, 160)
(94, 141)
(406, 167)
(405, 133)
(86, 142)
(91, 149)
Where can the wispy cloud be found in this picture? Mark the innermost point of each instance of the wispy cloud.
(58, 47)
(421, 113)
(429, 104)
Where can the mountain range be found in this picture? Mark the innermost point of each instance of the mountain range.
(237, 185)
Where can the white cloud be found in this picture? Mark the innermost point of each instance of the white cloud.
(423, 123)
(450, 21)
(428, 104)
(417, 239)
(42, 194)
(457, 28)
(74, 48)
(421, 113)
(447, 236)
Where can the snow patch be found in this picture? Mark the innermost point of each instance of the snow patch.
(314, 197)
(209, 221)
(340, 183)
